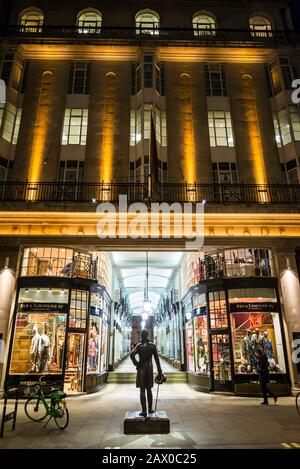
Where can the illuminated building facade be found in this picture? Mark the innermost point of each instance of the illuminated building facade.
(86, 86)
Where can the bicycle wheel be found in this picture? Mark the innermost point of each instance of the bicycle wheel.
(35, 409)
(61, 416)
(298, 403)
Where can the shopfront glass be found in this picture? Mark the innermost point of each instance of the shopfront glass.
(103, 347)
(190, 346)
(94, 345)
(74, 362)
(40, 330)
(221, 358)
(255, 325)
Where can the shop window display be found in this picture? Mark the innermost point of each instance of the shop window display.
(103, 347)
(40, 329)
(201, 344)
(190, 346)
(221, 358)
(255, 325)
(217, 309)
(94, 344)
(38, 343)
(74, 362)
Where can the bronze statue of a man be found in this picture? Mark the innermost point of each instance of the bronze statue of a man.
(144, 378)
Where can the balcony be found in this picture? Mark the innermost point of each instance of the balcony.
(235, 262)
(58, 262)
(48, 34)
(84, 192)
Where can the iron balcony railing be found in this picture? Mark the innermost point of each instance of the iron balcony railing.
(139, 192)
(226, 37)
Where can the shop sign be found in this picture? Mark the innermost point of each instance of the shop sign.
(43, 308)
(264, 307)
(200, 311)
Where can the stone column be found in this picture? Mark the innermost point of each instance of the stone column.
(290, 299)
(38, 149)
(8, 268)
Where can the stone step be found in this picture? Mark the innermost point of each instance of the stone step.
(115, 377)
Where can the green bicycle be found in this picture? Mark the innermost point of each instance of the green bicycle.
(38, 406)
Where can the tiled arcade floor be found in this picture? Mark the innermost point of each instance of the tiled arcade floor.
(197, 420)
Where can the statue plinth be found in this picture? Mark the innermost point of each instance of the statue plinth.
(158, 422)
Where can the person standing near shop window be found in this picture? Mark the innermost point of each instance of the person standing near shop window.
(264, 376)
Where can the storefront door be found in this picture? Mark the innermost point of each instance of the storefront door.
(221, 362)
(74, 362)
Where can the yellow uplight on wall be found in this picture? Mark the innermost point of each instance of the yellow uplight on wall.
(254, 137)
(41, 126)
(189, 165)
(108, 127)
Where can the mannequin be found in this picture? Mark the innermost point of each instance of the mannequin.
(93, 353)
(247, 351)
(34, 350)
(44, 350)
(267, 345)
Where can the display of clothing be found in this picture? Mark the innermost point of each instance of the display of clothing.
(44, 351)
(34, 350)
(92, 354)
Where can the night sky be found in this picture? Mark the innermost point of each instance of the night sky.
(296, 12)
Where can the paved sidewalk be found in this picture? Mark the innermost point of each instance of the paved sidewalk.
(197, 421)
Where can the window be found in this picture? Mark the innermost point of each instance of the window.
(215, 80)
(217, 310)
(6, 68)
(75, 127)
(204, 24)
(94, 344)
(148, 71)
(12, 124)
(2, 107)
(47, 261)
(89, 22)
(5, 166)
(147, 22)
(260, 26)
(32, 21)
(159, 75)
(255, 325)
(220, 129)
(288, 72)
(295, 120)
(71, 171)
(140, 124)
(79, 78)
(78, 309)
(224, 173)
(277, 130)
(39, 336)
(292, 172)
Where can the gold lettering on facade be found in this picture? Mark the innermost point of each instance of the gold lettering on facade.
(229, 230)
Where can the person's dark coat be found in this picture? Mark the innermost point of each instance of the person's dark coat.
(263, 369)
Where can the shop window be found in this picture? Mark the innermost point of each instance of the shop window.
(104, 344)
(255, 325)
(221, 358)
(260, 26)
(217, 310)
(39, 338)
(32, 21)
(204, 24)
(201, 343)
(147, 22)
(215, 80)
(79, 78)
(75, 363)
(89, 22)
(190, 346)
(78, 309)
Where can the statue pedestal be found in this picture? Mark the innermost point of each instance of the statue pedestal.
(154, 423)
